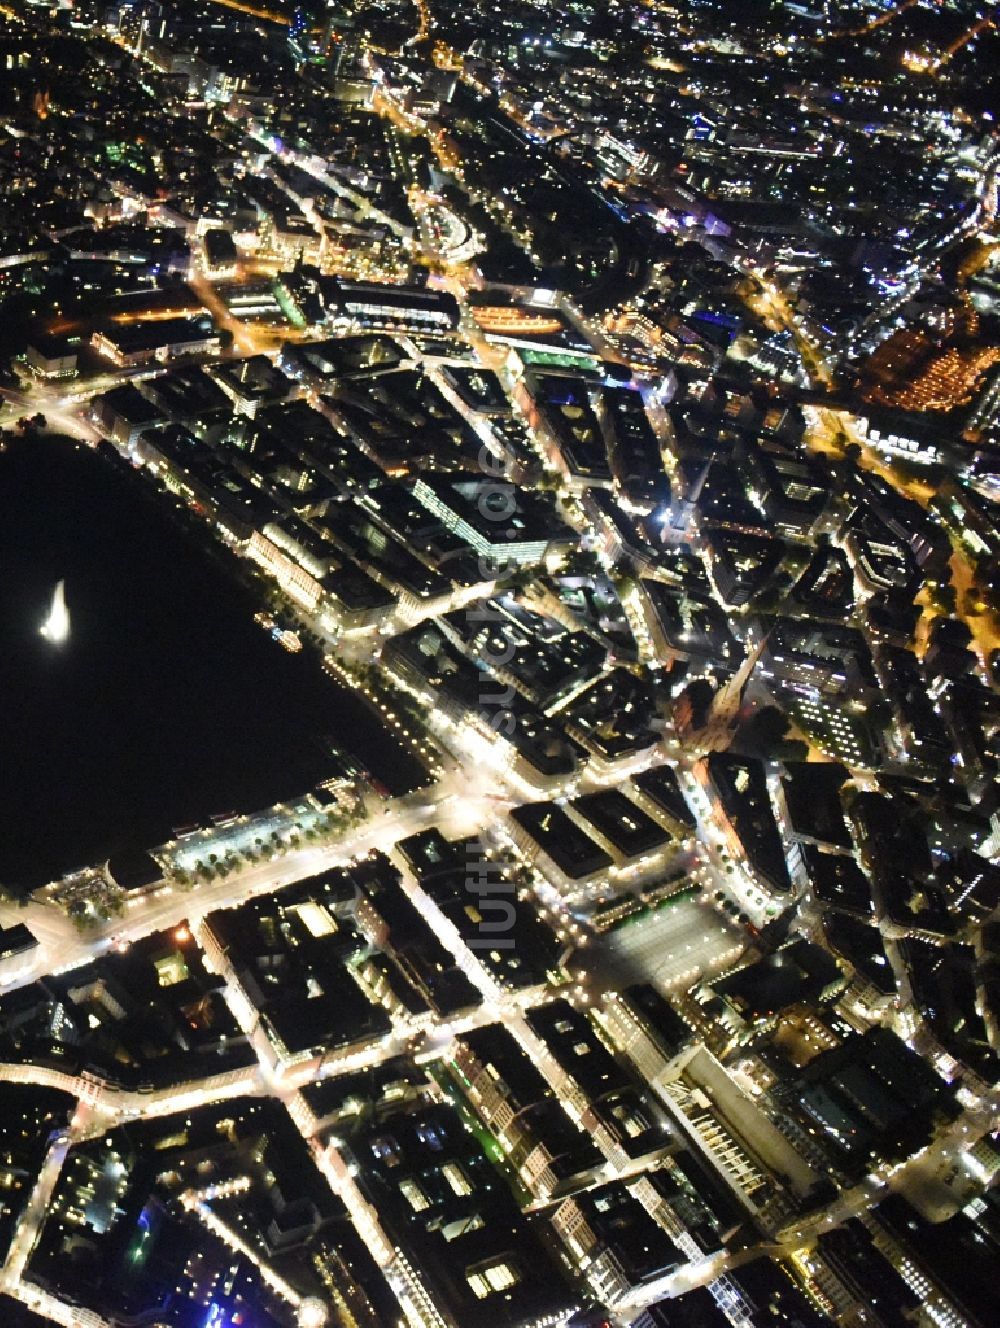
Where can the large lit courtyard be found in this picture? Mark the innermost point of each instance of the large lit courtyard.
(682, 941)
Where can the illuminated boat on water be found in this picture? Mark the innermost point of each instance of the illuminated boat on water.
(55, 628)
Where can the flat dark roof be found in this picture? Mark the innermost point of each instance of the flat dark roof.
(16, 940)
(660, 785)
(812, 796)
(621, 822)
(573, 852)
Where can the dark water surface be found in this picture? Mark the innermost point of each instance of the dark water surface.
(167, 703)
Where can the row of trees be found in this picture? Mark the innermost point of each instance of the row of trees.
(216, 867)
(28, 424)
